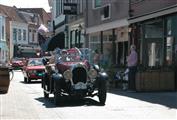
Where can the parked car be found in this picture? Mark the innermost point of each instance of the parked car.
(72, 75)
(17, 63)
(33, 70)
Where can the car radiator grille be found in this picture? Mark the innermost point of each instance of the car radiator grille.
(39, 71)
(79, 75)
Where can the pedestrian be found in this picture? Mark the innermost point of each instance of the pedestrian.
(96, 58)
(132, 66)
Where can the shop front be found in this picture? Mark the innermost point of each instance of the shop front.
(156, 45)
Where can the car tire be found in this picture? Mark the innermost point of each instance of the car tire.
(102, 92)
(25, 79)
(46, 95)
(29, 80)
(57, 94)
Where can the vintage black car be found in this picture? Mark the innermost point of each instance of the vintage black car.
(72, 75)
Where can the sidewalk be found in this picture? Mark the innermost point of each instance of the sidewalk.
(168, 99)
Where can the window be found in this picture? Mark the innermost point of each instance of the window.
(24, 35)
(96, 3)
(14, 34)
(154, 43)
(169, 51)
(105, 12)
(2, 28)
(19, 34)
(154, 54)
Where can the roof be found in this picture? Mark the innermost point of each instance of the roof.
(43, 14)
(11, 13)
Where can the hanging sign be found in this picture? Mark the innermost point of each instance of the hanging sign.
(70, 8)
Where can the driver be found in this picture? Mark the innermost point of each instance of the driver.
(63, 56)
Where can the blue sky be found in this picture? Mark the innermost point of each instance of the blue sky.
(27, 3)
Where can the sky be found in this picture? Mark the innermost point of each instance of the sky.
(27, 4)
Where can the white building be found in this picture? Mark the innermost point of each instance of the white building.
(18, 35)
(3, 44)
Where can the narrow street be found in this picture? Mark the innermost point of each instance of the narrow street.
(25, 101)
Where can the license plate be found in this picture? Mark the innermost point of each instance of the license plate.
(40, 74)
(80, 85)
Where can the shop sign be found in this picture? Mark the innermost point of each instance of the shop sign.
(70, 8)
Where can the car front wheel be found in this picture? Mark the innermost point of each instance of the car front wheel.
(46, 95)
(25, 79)
(57, 93)
(102, 92)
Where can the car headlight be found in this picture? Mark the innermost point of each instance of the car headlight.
(67, 74)
(92, 73)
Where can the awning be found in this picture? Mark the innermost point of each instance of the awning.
(107, 26)
(54, 42)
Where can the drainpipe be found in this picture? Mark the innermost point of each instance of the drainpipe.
(113, 46)
(86, 25)
(79, 38)
(71, 38)
(101, 41)
(76, 31)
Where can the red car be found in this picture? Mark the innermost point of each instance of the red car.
(17, 63)
(33, 70)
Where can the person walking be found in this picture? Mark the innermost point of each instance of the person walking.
(96, 58)
(132, 66)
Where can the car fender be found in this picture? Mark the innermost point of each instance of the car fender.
(103, 76)
(56, 76)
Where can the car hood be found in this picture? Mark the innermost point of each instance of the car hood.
(35, 67)
(17, 62)
(67, 65)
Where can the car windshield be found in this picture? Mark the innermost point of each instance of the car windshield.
(35, 62)
(17, 59)
(70, 55)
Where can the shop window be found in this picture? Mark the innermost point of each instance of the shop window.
(169, 50)
(154, 54)
(154, 30)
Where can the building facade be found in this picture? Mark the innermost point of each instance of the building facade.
(3, 42)
(107, 30)
(11, 16)
(19, 31)
(76, 25)
(35, 18)
(153, 31)
(58, 21)
(18, 36)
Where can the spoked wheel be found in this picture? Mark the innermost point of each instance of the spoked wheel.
(102, 90)
(57, 93)
(44, 86)
(25, 79)
(46, 95)
(28, 80)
